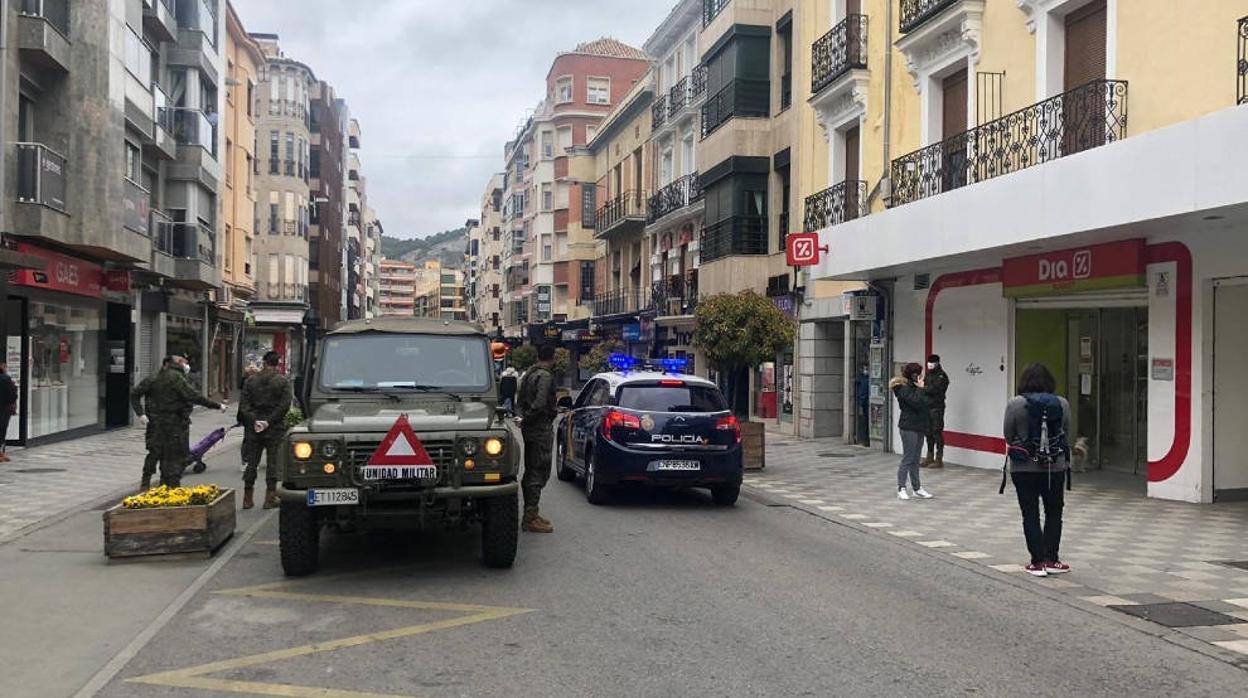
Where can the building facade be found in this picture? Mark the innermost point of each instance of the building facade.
(1005, 211)
(485, 258)
(398, 288)
(328, 210)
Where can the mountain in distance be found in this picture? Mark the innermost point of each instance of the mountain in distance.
(446, 246)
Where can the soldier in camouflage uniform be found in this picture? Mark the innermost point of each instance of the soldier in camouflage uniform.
(163, 403)
(262, 409)
(537, 408)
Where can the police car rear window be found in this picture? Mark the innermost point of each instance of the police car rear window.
(662, 398)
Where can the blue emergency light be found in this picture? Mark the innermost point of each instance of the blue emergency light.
(622, 362)
(674, 365)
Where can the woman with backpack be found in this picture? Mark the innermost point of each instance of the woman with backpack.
(915, 407)
(1037, 421)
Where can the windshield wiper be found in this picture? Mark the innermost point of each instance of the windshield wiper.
(434, 389)
(366, 389)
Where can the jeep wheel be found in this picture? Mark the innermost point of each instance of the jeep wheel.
(299, 537)
(726, 495)
(595, 491)
(562, 470)
(500, 531)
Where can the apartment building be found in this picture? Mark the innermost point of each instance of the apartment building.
(356, 231)
(986, 181)
(398, 284)
(283, 195)
(111, 112)
(370, 260)
(327, 215)
(452, 295)
(550, 248)
(484, 258)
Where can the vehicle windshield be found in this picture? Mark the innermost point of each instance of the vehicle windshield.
(396, 362)
(661, 398)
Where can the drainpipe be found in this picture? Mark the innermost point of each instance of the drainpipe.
(4, 112)
(886, 177)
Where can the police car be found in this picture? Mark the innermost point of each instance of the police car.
(649, 424)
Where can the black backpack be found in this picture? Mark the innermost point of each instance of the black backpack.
(1046, 445)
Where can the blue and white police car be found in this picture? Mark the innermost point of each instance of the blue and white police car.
(649, 424)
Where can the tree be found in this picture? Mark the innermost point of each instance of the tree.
(598, 359)
(738, 332)
(522, 358)
(563, 358)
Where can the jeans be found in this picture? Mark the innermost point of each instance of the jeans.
(1033, 488)
(911, 446)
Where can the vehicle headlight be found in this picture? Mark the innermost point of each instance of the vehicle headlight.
(329, 450)
(493, 446)
(303, 450)
(468, 446)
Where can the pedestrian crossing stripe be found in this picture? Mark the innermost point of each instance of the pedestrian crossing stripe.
(400, 447)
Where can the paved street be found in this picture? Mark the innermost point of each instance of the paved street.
(653, 595)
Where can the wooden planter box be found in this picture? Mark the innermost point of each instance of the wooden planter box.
(193, 529)
(753, 441)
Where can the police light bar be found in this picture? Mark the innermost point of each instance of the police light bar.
(622, 362)
(674, 365)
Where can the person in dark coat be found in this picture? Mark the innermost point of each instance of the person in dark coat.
(862, 396)
(537, 406)
(263, 405)
(913, 423)
(936, 385)
(163, 403)
(8, 408)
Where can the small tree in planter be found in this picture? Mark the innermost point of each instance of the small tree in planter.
(598, 359)
(523, 358)
(738, 332)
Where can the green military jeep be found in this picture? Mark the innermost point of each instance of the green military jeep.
(403, 431)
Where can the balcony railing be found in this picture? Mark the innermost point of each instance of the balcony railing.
(631, 205)
(697, 82)
(40, 176)
(711, 10)
(839, 51)
(658, 113)
(162, 232)
(736, 235)
(915, 12)
(197, 15)
(54, 12)
(719, 108)
(136, 207)
(627, 302)
(678, 96)
(680, 193)
(1088, 116)
(1241, 67)
(835, 205)
(193, 127)
(676, 295)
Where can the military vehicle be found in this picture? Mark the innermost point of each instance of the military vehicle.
(403, 431)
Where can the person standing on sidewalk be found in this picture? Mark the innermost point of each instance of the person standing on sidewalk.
(262, 408)
(1037, 421)
(862, 397)
(936, 385)
(163, 403)
(8, 408)
(915, 406)
(537, 407)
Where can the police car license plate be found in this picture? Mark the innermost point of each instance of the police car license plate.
(374, 473)
(333, 496)
(677, 465)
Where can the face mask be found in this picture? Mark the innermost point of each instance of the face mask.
(186, 368)
(931, 366)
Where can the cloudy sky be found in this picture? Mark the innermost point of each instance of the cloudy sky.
(439, 85)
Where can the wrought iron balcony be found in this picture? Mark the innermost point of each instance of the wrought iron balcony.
(711, 10)
(676, 295)
(719, 108)
(697, 81)
(1088, 116)
(732, 236)
(682, 192)
(1241, 96)
(658, 113)
(839, 51)
(915, 12)
(627, 302)
(40, 176)
(625, 212)
(835, 205)
(678, 96)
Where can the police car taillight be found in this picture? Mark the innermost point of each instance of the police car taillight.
(615, 419)
(729, 423)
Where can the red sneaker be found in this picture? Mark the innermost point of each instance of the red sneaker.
(1036, 569)
(1055, 567)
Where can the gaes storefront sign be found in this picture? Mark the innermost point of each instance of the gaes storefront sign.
(1093, 268)
(60, 273)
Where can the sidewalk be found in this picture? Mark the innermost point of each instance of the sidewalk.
(45, 482)
(1165, 561)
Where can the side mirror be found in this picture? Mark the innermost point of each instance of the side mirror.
(564, 403)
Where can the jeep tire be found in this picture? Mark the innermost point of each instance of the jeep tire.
(726, 495)
(299, 537)
(500, 530)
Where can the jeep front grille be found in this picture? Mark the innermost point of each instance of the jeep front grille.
(442, 454)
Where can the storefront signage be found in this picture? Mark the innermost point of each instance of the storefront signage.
(1163, 369)
(631, 332)
(787, 305)
(117, 280)
(60, 273)
(802, 249)
(1094, 268)
(551, 332)
(543, 302)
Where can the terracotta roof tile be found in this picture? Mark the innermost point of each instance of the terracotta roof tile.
(613, 48)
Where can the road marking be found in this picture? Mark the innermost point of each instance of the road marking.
(854, 517)
(936, 544)
(196, 676)
(971, 555)
(906, 534)
(831, 508)
(810, 501)
(1108, 601)
(878, 524)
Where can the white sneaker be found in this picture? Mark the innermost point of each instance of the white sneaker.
(922, 493)
(901, 494)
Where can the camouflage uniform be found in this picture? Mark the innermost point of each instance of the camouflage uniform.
(169, 398)
(266, 397)
(537, 408)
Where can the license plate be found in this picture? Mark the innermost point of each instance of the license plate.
(374, 473)
(676, 465)
(333, 497)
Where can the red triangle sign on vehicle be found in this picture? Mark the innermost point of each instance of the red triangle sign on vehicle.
(400, 447)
